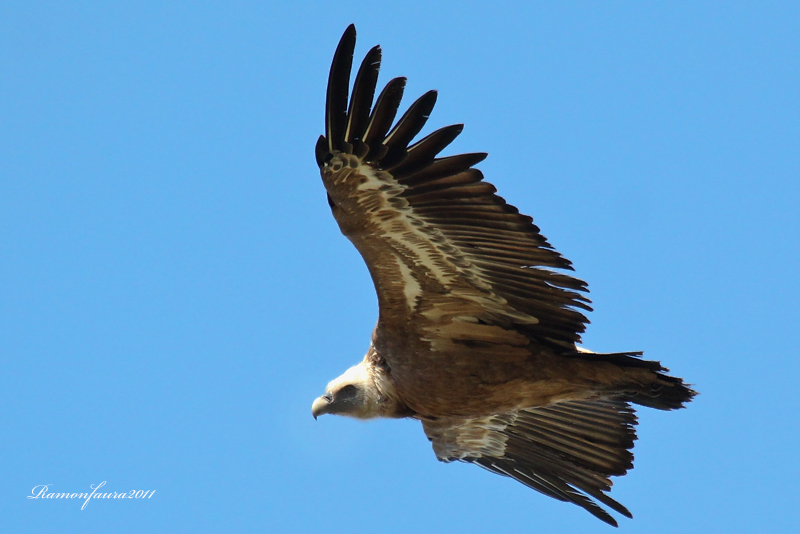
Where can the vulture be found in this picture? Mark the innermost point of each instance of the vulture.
(479, 319)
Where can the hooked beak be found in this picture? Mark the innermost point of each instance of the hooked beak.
(321, 405)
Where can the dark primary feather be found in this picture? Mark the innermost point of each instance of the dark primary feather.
(338, 88)
(363, 92)
(383, 115)
(418, 156)
(406, 129)
(440, 168)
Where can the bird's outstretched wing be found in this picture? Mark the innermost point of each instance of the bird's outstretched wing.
(566, 450)
(436, 238)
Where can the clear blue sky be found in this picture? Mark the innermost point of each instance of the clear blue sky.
(175, 292)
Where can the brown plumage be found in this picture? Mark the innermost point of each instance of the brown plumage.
(478, 321)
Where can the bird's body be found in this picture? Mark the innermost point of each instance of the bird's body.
(478, 327)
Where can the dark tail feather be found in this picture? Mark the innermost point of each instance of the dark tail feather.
(665, 393)
(661, 391)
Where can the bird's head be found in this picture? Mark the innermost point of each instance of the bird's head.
(353, 394)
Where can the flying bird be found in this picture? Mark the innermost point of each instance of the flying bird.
(479, 319)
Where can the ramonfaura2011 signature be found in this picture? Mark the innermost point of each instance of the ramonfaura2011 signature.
(42, 491)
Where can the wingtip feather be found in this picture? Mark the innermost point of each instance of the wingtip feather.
(339, 88)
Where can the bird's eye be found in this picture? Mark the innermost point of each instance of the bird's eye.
(349, 389)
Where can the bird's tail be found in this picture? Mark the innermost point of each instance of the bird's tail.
(644, 382)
